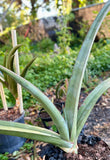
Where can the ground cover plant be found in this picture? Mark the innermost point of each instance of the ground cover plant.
(56, 67)
(99, 61)
(69, 126)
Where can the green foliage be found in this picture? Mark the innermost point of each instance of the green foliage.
(84, 27)
(46, 72)
(27, 146)
(56, 67)
(9, 64)
(100, 58)
(26, 48)
(21, 40)
(61, 88)
(83, 3)
(64, 35)
(1, 57)
(45, 45)
(9, 97)
(4, 156)
(50, 70)
(54, 128)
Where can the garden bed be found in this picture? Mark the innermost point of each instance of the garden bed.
(98, 117)
(85, 152)
(97, 125)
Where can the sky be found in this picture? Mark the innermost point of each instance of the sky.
(43, 13)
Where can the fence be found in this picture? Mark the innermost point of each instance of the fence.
(45, 27)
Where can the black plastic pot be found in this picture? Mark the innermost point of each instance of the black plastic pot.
(46, 119)
(11, 143)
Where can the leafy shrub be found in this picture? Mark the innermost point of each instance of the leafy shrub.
(64, 36)
(100, 58)
(48, 70)
(45, 45)
(55, 67)
(4, 156)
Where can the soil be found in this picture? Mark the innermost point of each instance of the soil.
(10, 115)
(44, 115)
(100, 151)
(99, 116)
(44, 151)
(98, 122)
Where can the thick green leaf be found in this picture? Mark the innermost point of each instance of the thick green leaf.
(4, 64)
(89, 103)
(8, 63)
(11, 53)
(27, 67)
(58, 88)
(32, 132)
(73, 93)
(12, 86)
(46, 103)
(26, 126)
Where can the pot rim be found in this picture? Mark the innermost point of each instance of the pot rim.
(17, 119)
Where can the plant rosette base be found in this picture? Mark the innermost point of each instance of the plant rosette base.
(100, 151)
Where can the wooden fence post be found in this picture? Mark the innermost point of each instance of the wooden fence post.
(19, 89)
(3, 97)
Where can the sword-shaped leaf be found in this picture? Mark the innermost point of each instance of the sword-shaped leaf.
(89, 103)
(12, 85)
(33, 132)
(8, 63)
(27, 67)
(73, 93)
(12, 52)
(46, 103)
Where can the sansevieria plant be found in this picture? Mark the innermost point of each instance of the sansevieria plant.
(70, 125)
(9, 64)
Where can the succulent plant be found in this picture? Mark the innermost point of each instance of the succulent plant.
(9, 64)
(71, 123)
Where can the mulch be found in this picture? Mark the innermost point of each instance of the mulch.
(10, 115)
(98, 122)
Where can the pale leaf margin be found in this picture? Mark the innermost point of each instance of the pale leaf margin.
(33, 132)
